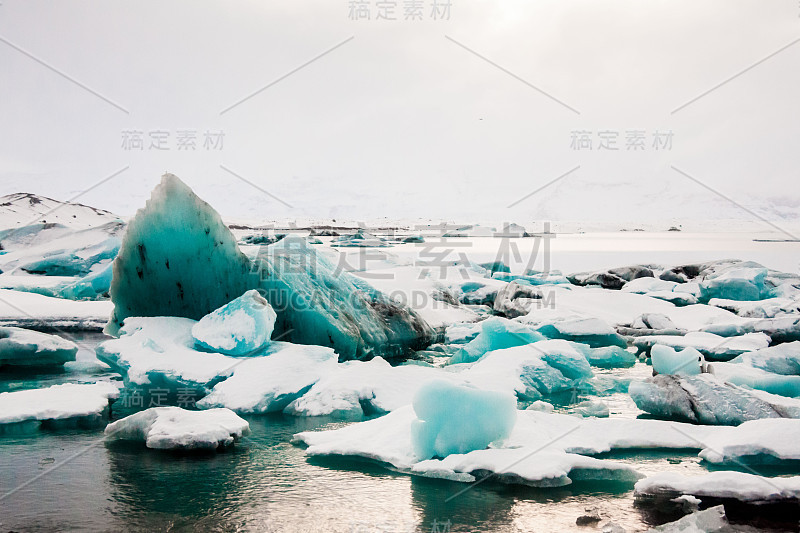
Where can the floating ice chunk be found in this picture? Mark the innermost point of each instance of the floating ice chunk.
(471, 231)
(358, 388)
(591, 331)
(160, 351)
(764, 441)
(541, 406)
(735, 485)
(495, 333)
(90, 287)
(736, 283)
(768, 308)
(22, 347)
(609, 357)
(706, 400)
(710, 345)
(318, 303)
(780, 359)
(687, 362)
(237, 328)
(269, 383)
(712, 520)
(455, 419)
(648, 284)
(589, 408)
(177, 259)
(360, 239)
(516, 300)
(173, 428)
(780, 330)
(528, 466)
(66, 405)
(388, 439)
(756, 378)
(532, 371)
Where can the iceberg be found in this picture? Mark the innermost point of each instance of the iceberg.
(159, 352)
(271, 382)
(237, 328)
(756, 378)
(526, 466)
(360, 239)
(59, 406)
(735, 283)
(495, 333)
(665, 360)
(713, 347)
(318, 303)
(173, 428)
(456, 419)
(781, 359)
(589, 408)
(609, 357)
(730, 485)
(177, 259)
(704, 399)
(711, 520)
(22, 347)
(355, 389)
(592, 331)
(765, 441)
(531, 371)
(543, 437)
(516, 300)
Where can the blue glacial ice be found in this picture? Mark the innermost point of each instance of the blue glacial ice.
(22, 347)
(318, 303)
(607, 356)
(459, 419)
(687, 362)
(495, 333)
(592, 331)
(781, 359)
(705, 399)
(240, 327)
(177, 259)
(736, 283)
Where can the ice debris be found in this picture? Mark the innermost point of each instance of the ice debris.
(173, 428)
(22, 347)
(237, 328)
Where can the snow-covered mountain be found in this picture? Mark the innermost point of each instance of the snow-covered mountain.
(22, 209)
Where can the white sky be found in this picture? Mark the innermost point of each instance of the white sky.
(400, 121)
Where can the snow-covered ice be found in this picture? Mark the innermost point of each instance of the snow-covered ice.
(238, 327)
(457, 419)
(22, 347)
(173, 428)
(68, 404)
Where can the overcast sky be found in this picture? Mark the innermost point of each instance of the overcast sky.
(457, 118)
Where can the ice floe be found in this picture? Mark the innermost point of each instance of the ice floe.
(66, 405)
(173, 428)
(22, 347)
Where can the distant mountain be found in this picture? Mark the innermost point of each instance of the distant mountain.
(22, 209)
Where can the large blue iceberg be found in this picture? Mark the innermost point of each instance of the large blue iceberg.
(179, 259)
